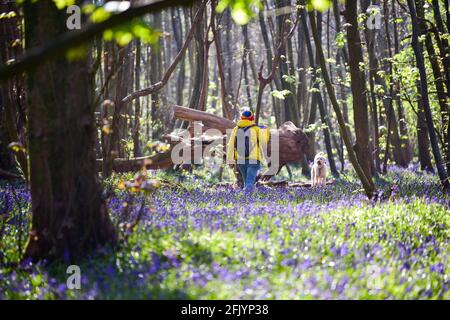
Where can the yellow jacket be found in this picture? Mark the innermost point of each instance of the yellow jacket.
(257, 134)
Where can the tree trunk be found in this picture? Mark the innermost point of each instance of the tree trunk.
(12, 104)
(373, 66)
(156, 65)
(360, 114)
(438, 81)
(423, 89)
(366, 181)
(405, 144)
(137, 151)
(276, 106)
(423, 140)
(69, 217)
(247, 62)
(318, 96)
(290, 101)
(177, 32)
(227, 108)
(442, 41)
(401, 145)
(228, 53)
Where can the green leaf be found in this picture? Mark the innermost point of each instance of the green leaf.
(289, 79)
(340, 39)
(125, 33)
(77, 53)
(241, 10)
(61, 4)
(321, 5)
(99, 15)
(280, 94)
(36, 280)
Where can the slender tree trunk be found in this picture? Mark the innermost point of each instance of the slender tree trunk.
(400, 149)
(438, 81)
(178, 32)
(228, 54)
(405, 144)
(315, 87)
(247, 61)
(423, 89)
(205, 79)
(442, 42)
(249, 51)
(12, 104)
(290, 101)
(269, 60)
(337, 21)
(423, 139)
(121, 88)
(302, 66)
(366, 181)
(156, 65)
(373, 68)
(69, 217)
(360, 113)
(137, 107)
(318, 97)
(227, 109)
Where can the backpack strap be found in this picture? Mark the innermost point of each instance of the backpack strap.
(245, 130)
(248, 127)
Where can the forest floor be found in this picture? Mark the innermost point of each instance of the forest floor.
(200, 241)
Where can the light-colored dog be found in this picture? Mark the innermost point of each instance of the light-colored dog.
(319, 171)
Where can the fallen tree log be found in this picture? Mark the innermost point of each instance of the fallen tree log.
(155, 162)
(292, 144)
(208, 120)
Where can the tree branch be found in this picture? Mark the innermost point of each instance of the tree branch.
(160, 84)
(71, 39)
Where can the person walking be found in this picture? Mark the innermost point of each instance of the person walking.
(245, 147)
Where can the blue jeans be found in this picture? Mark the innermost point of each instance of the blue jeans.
(249, 171)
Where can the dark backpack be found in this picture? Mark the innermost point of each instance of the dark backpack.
(245, 134)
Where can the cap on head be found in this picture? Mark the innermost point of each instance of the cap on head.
(247, 115)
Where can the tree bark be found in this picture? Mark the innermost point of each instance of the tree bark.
(12, 94)
(405, 144)
(290, 101)
(373, 68)
(438, 82)
(137, 151)
(366, 181)
(360, 113)
(227, 108)
(177, 32)
(423, 140)
(423, 89)
(69, 217)
(318, 96)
